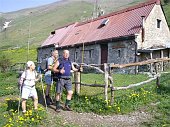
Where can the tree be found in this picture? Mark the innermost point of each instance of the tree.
(5, 63)
(166, 1)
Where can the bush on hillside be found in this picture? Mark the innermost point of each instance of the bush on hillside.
(5, 63)
(166, 1)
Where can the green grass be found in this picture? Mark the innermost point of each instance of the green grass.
(20, 55)
(92, 99)
(9, 117)
(8, 83)
(167, 12)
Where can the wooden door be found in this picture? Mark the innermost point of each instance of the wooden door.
(104, 53)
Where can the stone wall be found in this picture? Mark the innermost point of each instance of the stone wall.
(43, 53)
(91, 54)
(122, 52)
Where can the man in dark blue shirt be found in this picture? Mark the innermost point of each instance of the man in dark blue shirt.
(63, 67)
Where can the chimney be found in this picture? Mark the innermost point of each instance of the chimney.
(53, 32)
(158, 2)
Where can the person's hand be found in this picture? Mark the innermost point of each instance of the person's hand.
(80, 69)
(40, 76)
(62, 71)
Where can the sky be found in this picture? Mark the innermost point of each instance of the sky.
(14, 5)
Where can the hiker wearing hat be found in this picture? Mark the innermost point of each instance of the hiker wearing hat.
(28, 79)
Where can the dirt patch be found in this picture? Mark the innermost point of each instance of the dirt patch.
(93, 120)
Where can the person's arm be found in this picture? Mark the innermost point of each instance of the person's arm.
(50, 63)
(55, 67)
(22, 78)
(73, 68)
(37, 76)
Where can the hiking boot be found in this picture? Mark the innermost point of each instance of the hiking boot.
(67, 108)
(24, 112)
(58, 110)
(48, 100)
(51, 101)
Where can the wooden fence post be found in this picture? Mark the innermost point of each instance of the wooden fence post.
(77, 82)
(112, 88)
(157, 71)
(106, 81)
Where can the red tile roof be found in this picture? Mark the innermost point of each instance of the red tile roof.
(121, 23)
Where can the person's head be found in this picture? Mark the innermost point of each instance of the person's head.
(31, 65)
(66, 54)
(55, 54)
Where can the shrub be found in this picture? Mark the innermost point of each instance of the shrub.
(5, 63)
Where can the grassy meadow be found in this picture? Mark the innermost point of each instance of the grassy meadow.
(149, 98)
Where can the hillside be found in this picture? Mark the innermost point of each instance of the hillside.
(37, 24)
(34, 25)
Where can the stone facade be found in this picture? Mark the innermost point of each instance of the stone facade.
(43, 53)
(154, 37)
(119, 52)
(122, 52)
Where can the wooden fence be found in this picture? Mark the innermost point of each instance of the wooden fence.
(156, 67)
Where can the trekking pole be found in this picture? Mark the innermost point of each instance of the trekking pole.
(43, 93)
(19, 98)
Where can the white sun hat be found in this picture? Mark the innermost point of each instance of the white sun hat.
(29, 63)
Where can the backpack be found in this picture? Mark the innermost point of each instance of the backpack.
(20, 81)
(44, 65)
(54, 75)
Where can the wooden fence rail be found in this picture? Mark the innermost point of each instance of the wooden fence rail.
(139, 63)
(109, 82)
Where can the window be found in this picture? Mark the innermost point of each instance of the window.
(158, 23)
(90, 53)
(103, 23)
(76, 55)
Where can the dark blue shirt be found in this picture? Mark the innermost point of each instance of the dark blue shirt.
(66, 63)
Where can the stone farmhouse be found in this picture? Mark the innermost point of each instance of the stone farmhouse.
(130, 35)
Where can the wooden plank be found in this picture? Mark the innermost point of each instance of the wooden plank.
(77, 82)
(139, 63)
(91, 85)
(137, 84)
(106, 82)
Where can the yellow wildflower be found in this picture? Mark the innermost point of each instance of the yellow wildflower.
(7, 99)
(109, 106)
(32, 119)
(118, 109)
(10, 119)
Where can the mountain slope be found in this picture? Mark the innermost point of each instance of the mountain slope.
(35, 24)
(38, 24)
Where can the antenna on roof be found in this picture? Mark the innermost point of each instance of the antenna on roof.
(98, 11)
